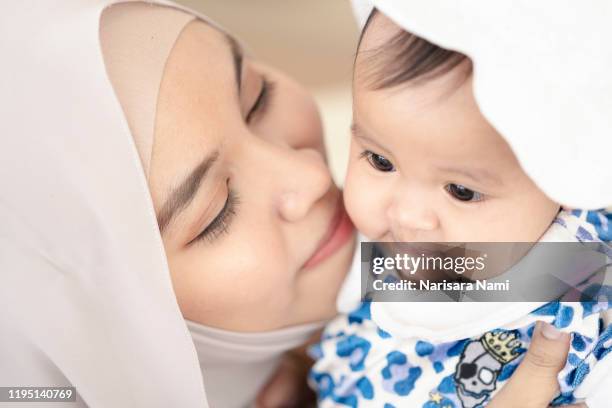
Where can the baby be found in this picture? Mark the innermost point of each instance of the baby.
(426, 166)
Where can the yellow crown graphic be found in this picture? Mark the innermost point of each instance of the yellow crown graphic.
(501, 345)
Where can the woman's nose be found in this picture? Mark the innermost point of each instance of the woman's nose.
(305, 179)
(411, 217)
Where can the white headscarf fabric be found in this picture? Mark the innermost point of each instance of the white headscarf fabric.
(541, 78)
(85, 292)
(136, 40)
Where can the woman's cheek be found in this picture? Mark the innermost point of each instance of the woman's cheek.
(233, 288)
(262, 265)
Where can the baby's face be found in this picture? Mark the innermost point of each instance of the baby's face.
(425, 165)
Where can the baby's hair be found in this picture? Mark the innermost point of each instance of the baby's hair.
(407, 58)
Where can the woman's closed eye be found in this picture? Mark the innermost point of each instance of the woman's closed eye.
(263, 100)
(377, 161)
(462, 193)
(222, 221)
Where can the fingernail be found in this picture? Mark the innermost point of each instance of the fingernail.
(550, 332)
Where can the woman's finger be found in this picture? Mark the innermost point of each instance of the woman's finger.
(288, 388)
(282, 389)
(534, 383)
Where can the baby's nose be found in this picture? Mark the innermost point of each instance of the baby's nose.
(410, 220)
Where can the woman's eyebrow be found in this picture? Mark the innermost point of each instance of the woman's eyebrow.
(238, 56)
(181, 196)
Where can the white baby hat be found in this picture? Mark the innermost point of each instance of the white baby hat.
(541, 78)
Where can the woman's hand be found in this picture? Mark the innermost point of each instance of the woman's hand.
(534, 383)
(288, 388)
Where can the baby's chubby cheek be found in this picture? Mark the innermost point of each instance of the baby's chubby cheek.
(360, 199)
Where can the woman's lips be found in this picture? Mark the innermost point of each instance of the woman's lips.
(339, 232)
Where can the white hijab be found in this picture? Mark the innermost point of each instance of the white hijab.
(541, 78)
(85, 292)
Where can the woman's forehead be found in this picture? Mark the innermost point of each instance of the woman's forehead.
(202, 59)
(197, 104)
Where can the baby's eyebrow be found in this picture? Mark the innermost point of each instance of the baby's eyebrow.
(360, 133)
(478, 175)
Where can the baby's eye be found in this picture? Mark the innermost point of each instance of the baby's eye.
(462, 193)
(380, 163)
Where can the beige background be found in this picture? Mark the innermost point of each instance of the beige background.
(312, 40)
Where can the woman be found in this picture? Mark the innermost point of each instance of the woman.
(151, 173)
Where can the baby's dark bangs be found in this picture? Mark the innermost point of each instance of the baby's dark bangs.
(406, 58)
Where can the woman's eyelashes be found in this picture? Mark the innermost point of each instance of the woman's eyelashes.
(462, 193)
(221, 223)
(262, 101)
(380, 163)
